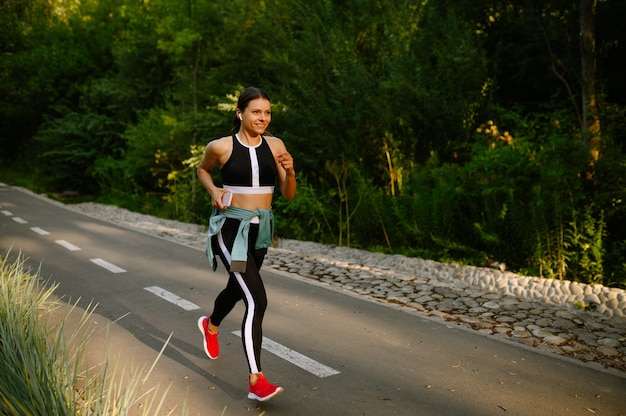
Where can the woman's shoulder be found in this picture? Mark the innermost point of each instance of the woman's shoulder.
(274, 141)
(225, 141)
(276, 145)
(220, 146)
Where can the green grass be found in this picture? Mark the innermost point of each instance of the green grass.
(42, 361)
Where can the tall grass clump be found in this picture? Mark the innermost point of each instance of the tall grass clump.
(42, 365)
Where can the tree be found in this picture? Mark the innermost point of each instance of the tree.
(590, 118)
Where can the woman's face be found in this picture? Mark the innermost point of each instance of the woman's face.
(256, 116)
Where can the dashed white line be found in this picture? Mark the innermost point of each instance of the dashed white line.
(294, 357)
(287, 354)
(106, 265)
(172, 298)
(297, 359)
(39, 231)
(67, 245)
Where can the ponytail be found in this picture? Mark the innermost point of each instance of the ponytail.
(236, 125)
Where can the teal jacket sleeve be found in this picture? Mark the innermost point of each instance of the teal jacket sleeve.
(239, 255)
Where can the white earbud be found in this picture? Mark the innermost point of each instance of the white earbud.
(239, 115)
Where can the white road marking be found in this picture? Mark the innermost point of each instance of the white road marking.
(294, 357)
(106, 265)
(39, 231)
(172, 298)
(69, 246)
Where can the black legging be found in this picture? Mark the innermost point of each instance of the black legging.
(247, 286)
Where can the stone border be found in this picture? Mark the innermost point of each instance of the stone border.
(595, 297)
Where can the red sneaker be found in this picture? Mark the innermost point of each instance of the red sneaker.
(263, 390)
(211, 346)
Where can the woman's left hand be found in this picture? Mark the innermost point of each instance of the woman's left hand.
(286, 161)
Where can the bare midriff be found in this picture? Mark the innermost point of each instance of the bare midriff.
(252, 202)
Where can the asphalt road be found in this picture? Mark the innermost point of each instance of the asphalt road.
(333, 353)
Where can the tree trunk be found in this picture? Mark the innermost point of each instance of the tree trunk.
(591, 120)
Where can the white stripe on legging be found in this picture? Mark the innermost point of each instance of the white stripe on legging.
(248, 319)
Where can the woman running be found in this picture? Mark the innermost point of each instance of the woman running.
(241, 227)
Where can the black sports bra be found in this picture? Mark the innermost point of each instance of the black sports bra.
(250, 169)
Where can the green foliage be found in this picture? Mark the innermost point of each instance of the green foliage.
(306, 217)
(70, 148)
(36, 377)
(584, 240)
(537, 180)
(42, 359)
(435, 214)
(186, 198)
(449, 131)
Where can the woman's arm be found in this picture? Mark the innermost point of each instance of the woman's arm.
(285, 168)
(212, 155)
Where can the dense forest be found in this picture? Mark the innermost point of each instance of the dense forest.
(467, 131)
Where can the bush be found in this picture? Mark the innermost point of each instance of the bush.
(42, 366)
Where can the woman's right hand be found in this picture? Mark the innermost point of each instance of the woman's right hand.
(216, 198)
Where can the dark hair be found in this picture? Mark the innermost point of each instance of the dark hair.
(247, 95)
